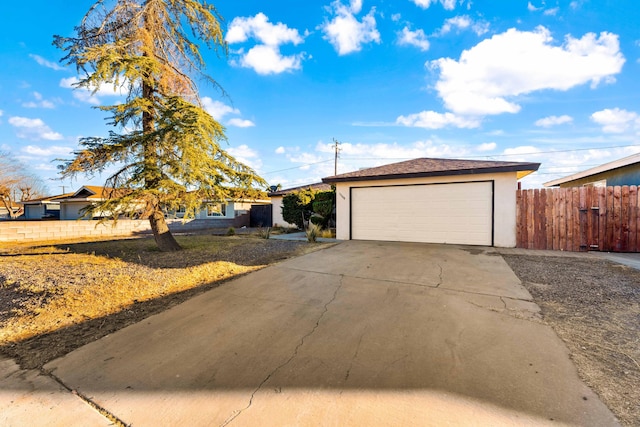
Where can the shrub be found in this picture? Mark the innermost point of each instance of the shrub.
(312, 233)
(231, 231)
(296, 207)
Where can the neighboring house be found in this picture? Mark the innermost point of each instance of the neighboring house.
(431, 200)
(620, 172)
(72, 205)
(220, 210)
(44, 207)
(276, 200)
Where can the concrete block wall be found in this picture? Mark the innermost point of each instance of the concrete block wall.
(37, 231)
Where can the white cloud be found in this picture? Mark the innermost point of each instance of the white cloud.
(246, 155)
(532, 8)
(241, 123)
(1, 113)
(217, 109)
(447, 4)
(552, 12)
(488, 76)
(346, 33)
(384, 153)
(280, 150)
(91, 96)
(487, 146)
(413, 38)
(547, 122)
(435, 120)
(396, 17)
(463, 22)
(265, 57)
(39, 102)
(259, 28)
(45, 63)
(53, 150)
(616, 120)
(33, 129)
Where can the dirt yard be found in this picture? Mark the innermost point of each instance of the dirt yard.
(54, 299)
(594, 306)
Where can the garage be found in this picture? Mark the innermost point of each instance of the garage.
(469, 202)
(459, 213)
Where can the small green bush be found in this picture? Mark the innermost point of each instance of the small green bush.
(231, 231)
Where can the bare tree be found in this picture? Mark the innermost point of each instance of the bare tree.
(17, 185)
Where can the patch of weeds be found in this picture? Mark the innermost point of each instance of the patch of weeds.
(312, 232)
(231, 231)
(264, 233)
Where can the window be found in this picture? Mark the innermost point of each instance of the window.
(216, 209)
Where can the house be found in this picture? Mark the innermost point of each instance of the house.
(620, 172)
(227, 210)
(470, 202)
(72, 205)
(44, 207)
(277, 196)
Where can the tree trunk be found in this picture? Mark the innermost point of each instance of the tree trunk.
(164, 239)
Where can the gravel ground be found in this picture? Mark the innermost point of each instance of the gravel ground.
(594, 306)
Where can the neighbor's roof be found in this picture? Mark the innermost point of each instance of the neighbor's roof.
(626, 161)
(320, 186)
(426, 167)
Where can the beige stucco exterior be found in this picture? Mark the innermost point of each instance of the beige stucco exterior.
(278, 221)
(504, 220)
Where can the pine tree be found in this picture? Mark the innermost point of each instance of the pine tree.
(168, 149)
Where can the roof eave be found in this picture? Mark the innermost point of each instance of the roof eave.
(528, 168)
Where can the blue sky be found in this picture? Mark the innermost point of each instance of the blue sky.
(555, 82)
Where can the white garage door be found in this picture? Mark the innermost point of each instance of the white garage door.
(458, 213)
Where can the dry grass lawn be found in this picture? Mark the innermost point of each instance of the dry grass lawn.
(54, 298)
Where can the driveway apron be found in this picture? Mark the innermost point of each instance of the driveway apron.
(362, 333)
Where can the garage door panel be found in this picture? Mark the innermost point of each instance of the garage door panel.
(460, 213)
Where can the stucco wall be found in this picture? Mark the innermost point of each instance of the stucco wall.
(278, 221)
(504, 208)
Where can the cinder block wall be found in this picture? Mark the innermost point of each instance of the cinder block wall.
(35, 231)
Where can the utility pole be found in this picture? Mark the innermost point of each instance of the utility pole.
(336, 146)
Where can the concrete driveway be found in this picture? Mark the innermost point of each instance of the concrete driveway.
(363, 333)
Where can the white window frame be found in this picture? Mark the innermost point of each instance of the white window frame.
(220, 212)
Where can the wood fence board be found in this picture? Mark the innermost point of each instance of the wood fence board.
(624, 219)
(519, 202)
(633, 219)
(548, 214)
(602, 218)
(556, 221)
(575, 219)
(530, 217)
(617, 220)
(610, 221)
(583, 219)
(568, 246)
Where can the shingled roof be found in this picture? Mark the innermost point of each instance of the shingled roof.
(426, 167)
(318, 186)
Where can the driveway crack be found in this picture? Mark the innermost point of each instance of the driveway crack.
(237, 413)
(439, 276)
(102, 410)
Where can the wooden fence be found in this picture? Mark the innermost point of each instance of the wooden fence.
(579, 219)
